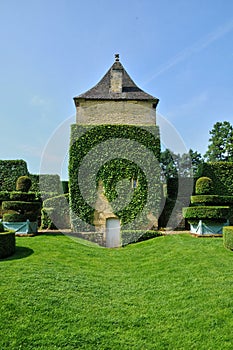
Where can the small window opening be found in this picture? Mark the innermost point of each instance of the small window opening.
(134, 183)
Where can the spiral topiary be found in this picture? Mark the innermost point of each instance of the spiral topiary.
(204, 185)
(23, 183)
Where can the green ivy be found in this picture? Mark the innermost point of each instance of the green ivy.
(83, 140)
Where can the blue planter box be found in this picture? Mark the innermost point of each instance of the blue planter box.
(212, 228)
(21, 227)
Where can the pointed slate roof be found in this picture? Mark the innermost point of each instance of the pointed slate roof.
(130, 91)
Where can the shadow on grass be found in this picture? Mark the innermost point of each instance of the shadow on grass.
(50, 233)
(20, 253)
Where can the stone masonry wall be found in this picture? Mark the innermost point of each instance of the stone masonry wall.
(115, 112)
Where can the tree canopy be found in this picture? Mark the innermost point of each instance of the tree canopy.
(220, 146)
(174, 165)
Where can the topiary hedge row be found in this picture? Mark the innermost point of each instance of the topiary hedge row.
(21, 207)
(112, 171)
(46, 183)
(7, 244)
(211, 199)
(228, 237)
(206, 212)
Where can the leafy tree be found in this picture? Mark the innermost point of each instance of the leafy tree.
(196, 160)
(220, 146)
(168, 164)
(174, 165)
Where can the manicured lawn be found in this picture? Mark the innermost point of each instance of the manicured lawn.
(173, 292)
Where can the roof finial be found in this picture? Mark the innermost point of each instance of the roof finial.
(117, 57)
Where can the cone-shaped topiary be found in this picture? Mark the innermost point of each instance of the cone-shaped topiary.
(23, 183)
(204, 185)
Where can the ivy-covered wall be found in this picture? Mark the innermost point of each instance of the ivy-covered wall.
(114, 155)
(221, 173)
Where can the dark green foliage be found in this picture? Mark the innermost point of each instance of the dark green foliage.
(50, 183)
(221, 174)
(21, 207)
(133, 236)
(1, 227)
(221, 143)
(228, 237)
(174, 165)
(22, 196)
(23, 183)
(4, 196)
(168, 164)
(65, 186)
(17, 217)
(183, 185)
(112, 172)
(204, 185)
(55, 213)
(207, 212)
(211, 199)
(7, 244)
(46, 183)
(46, 219)
(20, 211)
(10, 170)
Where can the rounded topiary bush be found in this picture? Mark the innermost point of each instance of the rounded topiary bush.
(7, 244)
(23, 183)
(228, 237)
(204, 185)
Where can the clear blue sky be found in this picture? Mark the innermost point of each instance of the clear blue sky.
(179, 51)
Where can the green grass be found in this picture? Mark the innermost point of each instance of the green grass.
(173, 292)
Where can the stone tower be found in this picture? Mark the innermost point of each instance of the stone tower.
(116, 99)
(113, 118)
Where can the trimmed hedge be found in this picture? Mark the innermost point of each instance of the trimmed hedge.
(204, 185)
(86, 138)
(16, 217)
(21, 207)
(46, 183)
(211, 199)
(55, 213)
(221, 174)
(133, 236)
(22, 196)
(4, 196)
(228, 237)
(207, 212)
(10, 170)
(65, 186)
(23, 183)
(7, 244)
